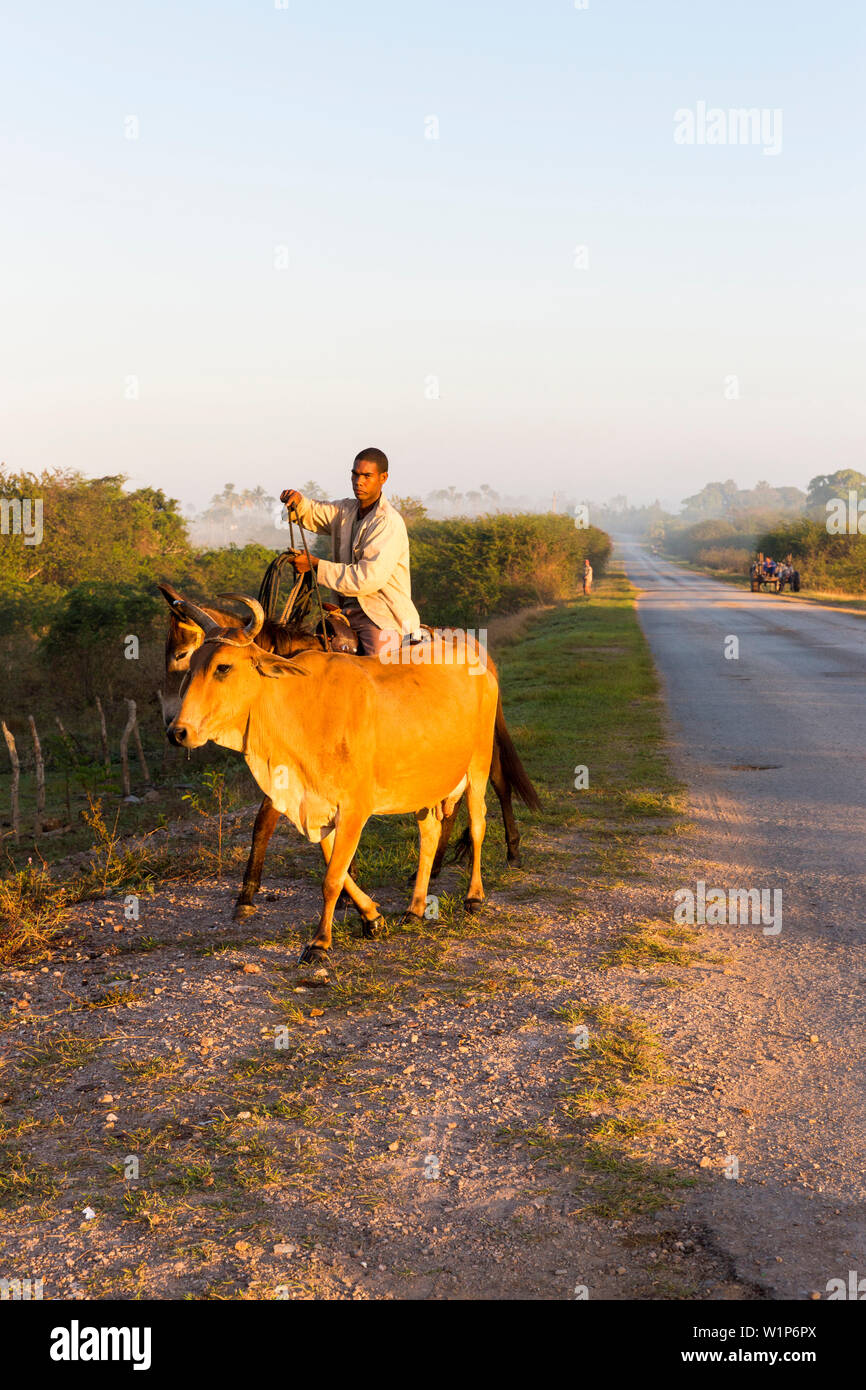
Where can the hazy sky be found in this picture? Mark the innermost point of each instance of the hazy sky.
(296, 137)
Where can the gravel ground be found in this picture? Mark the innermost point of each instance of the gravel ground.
(403, 1136)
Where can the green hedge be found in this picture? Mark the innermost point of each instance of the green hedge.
(691, 541)
(824, 561)
(466, 571)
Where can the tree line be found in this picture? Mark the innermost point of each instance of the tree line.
(80, 612)
(830, 555)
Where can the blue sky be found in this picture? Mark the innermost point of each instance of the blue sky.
(148, 264)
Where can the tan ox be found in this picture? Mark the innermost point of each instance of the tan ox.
(507, 774)
(334, 740)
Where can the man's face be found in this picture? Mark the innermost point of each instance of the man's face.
(367, 482)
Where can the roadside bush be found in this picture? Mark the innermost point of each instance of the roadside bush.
(85, 642)
(729, 559)
(465, 571)
(237, 569)
(704, 537)
(824, 561)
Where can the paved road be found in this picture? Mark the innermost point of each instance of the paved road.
(793, 704)
(773, 747)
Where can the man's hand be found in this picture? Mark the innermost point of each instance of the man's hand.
(302, 563)
(291, 497)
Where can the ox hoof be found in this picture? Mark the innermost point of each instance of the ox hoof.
(313, 966)
(373, 928)
(409, 917)
(473, 905)
(242, 911)
(514, 860)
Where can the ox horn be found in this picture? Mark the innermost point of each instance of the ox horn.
(253, 626)
(187, 609)
(169, 593)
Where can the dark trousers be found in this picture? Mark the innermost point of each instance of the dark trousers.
(366, 630)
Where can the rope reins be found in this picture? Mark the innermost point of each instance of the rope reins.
(315, 577)
(269, 589)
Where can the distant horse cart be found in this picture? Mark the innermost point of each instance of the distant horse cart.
(775, 575)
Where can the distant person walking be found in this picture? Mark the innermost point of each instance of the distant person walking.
(587, 578)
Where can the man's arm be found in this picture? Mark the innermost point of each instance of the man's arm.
(314, 516)
(382, 549)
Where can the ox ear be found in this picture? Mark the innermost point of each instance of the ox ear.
(267, 664)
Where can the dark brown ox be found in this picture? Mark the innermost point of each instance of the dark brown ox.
(507, 775)
(333, 740)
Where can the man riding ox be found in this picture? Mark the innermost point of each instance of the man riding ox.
(370, 546)
(370, 574)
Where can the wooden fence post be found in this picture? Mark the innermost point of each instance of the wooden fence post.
(104, 732)
(124, 748)
(16, 774)
(140, 751)
(40, 776)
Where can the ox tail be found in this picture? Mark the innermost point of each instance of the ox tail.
(512, 768)
(514, 775)
(462, 848)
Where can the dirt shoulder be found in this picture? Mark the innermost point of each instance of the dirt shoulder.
(411, 1132)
